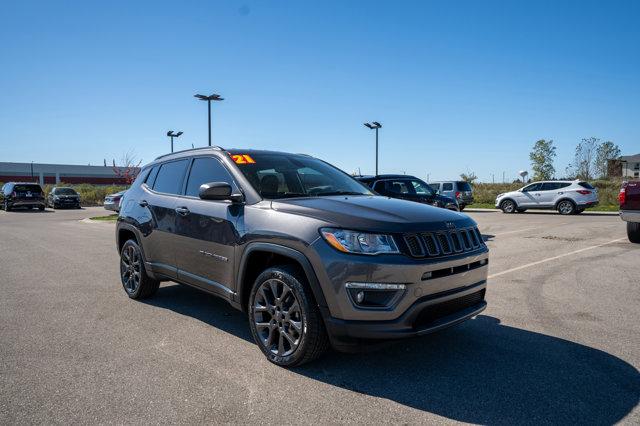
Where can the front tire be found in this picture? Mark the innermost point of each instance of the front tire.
(284, 318)
(135, 281)
(633, 232)
(566, 207)
(508, 206)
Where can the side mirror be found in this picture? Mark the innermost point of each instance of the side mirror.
(218, 191)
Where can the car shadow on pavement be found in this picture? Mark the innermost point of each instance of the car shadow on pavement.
(202, 306)
(479, 372)
(484, 372)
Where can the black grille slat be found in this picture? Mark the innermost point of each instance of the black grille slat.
(445, 248)
(430, 244)
(435, 312)
(455, 239)
(474, 238)
(443, 243)
(465, 239)
(414, 245)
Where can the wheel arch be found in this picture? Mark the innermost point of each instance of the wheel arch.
(258, 256)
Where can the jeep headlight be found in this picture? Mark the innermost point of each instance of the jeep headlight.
(359, 242)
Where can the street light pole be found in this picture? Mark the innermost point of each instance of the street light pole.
(209, 98)
(375, 125)
(173, 135)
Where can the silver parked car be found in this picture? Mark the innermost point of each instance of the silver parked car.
(112, 201)
(568, 197)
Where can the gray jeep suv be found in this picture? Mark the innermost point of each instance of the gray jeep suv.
(310, 254)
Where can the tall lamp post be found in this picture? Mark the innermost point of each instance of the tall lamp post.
(173, 135)
(209, 98)
(375, 125)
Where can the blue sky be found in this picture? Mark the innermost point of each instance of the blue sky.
(458, 86)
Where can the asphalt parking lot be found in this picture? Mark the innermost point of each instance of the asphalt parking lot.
(558, 343)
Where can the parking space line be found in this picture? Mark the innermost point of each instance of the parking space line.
(517, 268)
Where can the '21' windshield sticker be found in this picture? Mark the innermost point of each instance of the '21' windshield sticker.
(243, 159)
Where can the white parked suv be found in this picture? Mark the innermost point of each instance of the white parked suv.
(568, 197)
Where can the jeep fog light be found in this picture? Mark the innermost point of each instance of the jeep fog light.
(374, 295)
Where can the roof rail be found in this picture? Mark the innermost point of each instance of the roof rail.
(216, 147)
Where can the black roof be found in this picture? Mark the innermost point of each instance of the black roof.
(378, 177)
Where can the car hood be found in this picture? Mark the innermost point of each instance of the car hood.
(374, 213)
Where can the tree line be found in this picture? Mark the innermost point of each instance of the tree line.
(590, 159)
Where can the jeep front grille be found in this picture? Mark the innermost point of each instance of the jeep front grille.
(443, 243)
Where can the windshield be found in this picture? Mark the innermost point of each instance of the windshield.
(276, 176)
(65, 191)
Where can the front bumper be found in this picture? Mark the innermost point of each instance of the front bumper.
(427, 315)
(630, 215)
(429, 283)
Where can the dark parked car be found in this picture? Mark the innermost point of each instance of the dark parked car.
(63, 197)
(19, 194)
(629, 198)
(308, 252)
(458, 189)
(408, 188)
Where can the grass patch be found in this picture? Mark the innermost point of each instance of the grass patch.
(110, 218)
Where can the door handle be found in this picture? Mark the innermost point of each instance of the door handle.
(183, 211)
(143, 203)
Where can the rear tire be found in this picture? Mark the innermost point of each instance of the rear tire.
(135, 281)
(566, 207)
(6, 207)
(284, 318)
(633, 232)
(508, 206)
(41, 208)
(521, 210)
(578, 211)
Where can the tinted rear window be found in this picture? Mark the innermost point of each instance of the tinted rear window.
(169, 179)
(586, 185)
(464, 186)
(65, 191)
(25, 188)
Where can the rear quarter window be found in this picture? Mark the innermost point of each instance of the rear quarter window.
(586, 185)
(447, 186)
(464, 186)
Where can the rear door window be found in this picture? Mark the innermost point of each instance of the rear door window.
(170, 177)
(550, 186)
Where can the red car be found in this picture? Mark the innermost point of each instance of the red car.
(629, 198)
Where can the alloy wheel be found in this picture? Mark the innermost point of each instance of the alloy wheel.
(277, 317)
(508, 206)
(130, 269)
(565, 207)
